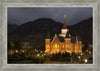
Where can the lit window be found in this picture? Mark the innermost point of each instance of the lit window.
(55, 45)
(63, 46)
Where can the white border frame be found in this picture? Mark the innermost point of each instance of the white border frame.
(48, 66)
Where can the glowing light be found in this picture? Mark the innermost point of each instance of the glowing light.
(41, 52)
(44, 54)
(81, 53)
(68, 51)
(55, 45)
(16, 51)
(78, 56)
(86, 60)
(38, 54)
(87, 50)
(63, 46)
(23, 51)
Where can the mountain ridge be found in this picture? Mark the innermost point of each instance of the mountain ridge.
(36, 31)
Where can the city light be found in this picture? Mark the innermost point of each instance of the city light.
(23, 51)
(81, 53)
(38, 54)
(78, 56)
(44, 54)
(16, 51)
(35, 49)
(41, 52)
(87, 50)
(86, 60)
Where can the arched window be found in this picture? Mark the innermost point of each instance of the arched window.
(56, 45)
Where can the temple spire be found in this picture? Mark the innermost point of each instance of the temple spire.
(64, 25)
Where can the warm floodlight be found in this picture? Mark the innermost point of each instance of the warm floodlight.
(86, 60)
(78, 56)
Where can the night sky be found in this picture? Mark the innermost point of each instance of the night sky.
(21, 15)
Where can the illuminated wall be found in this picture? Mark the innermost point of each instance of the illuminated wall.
(56, 46)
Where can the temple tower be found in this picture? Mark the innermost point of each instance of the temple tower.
(47, 44)
(64, 30)
(78, 46)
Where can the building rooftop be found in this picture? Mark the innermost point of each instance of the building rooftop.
(73, 38)
(68, 35)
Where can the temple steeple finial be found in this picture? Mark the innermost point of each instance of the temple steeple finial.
(64, 25)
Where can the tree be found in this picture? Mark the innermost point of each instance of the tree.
(9, 45)
(75, 57)
(86, 47)
(61, 56)
(43, 47)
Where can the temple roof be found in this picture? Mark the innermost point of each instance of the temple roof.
(68, 35)
(61, 39)
(73, 38)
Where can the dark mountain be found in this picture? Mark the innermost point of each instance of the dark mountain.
(83, 30)
(36, 31)
(11, 28)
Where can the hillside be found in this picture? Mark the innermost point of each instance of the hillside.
(11, 28)
(36, 31)
(84, 30)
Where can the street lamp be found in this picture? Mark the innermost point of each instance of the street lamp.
(38, 54)
(23, 51)
(78, 56)
(16, 51)
(87, 50)
(44, 54)
(41, 52)
(85, 60)
(79, 59)
(81, 54)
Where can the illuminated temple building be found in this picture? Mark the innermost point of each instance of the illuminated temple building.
(63, 42)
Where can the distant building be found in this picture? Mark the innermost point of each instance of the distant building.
(63, 42)
(26, 44)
